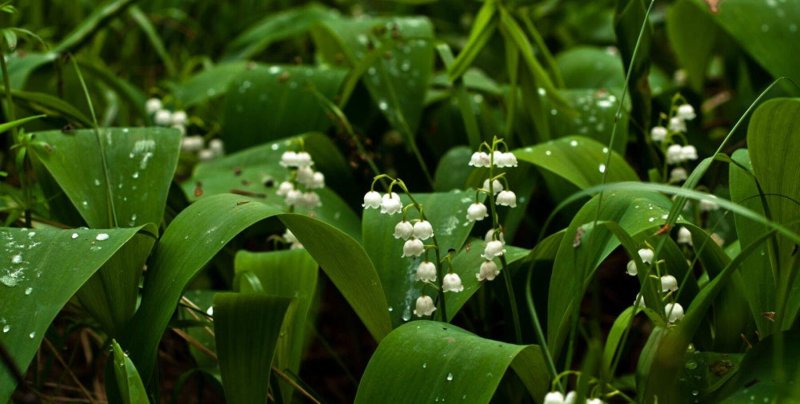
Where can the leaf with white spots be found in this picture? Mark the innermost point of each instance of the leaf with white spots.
(40, 271)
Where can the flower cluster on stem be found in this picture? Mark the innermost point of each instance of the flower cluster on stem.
(415, 233)
(673, 311)
(669, 135)
(179, 119)
(298, 188)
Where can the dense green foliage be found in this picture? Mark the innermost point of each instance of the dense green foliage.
(597, 200)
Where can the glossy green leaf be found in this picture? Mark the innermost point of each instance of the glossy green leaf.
(130, 384)
(450, 173)
(585, 67)
(44, 268)
(578, 160)
(396, 57)
(428, 361)
(275, 27)
(21, 66)
(208, 84)
(247, 328)
(293, 274)
(266, 103)
(756, 271)
(100, 16)
(766, 30)
(122, 182)
(595, 117)
(201, 230)
(773, 138)
(256, 172)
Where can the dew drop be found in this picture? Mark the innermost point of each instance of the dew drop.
(16, 259)
(135, 175)
(6, 328)
(391, 309)
(573, 143)
(101, 237)
(28, 291)
(32, 334)
(449, 377)
(602, 168)
(74, 235)
(383, 105)
(425, 365)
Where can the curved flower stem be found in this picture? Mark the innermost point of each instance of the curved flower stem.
(439, 270)
(512, 300)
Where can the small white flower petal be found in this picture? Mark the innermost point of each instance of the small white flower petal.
(554, 397)
(403, 230)
(674, 312)
(477, 211)
(372, 200)
(669, 283)
(391, 204)
(488, 271)
(423, 230)
(424, 306)
(413, 248)
(631, 268)
(284, 188)
(686, 112)
(646, 255)
(507, 198)
(288, 159)
(674, 155)
(658, 134)
(494, 248)
(426, 272)
(684, 236)
(452, 283)
(152, 105)
(678, 174)
(479, 159)
(497, 186)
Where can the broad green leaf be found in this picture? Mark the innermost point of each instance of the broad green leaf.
(578, 160)
(450, 173)
(685, 24)
(275, 27)
(705, 372)
(139, 164)
(293, 274)
(246, 327)
(256, 172)
(120, 179)
(395, 56)
(595, 117)
(756, 271)
(207, 84)
(429, 361)
(585, 67)
(202, 229)
(43, 269)
(580, 253)
(766, 30)
(130, 384)
(773, 139)
(266, 103)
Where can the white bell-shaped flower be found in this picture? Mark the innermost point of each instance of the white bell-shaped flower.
(708, 204)
(391, 204)
(423, 230)
(497, 186)
(152, 105)
(494, 248)
(646, 255)
(477, 211)
(554, 397)
(179, 118)
(677, 124)
(413, 248)
(658, 134)
(284, 188)
(480, 159)
(688, 152)
(290, 238)
(288, 159)
(163, 117)
(639, 301)
(490, 236)
(403, 230)
(678, 174)
(217, 146)
(294, 197)
(311, 200)
(305, 175)
(674, 312)
(206, 155)
(317, 181)
(192, 143)
(570, 398)
(674, 155)
(426, 272)
(506, 159)
(488, 271)
(631, 268)
(452, 283)
(507, 198)
(686, 112)
(424, 306)
(303, 159)
(684, 236)
(595, 401)
(669, 283)
(372, 200)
